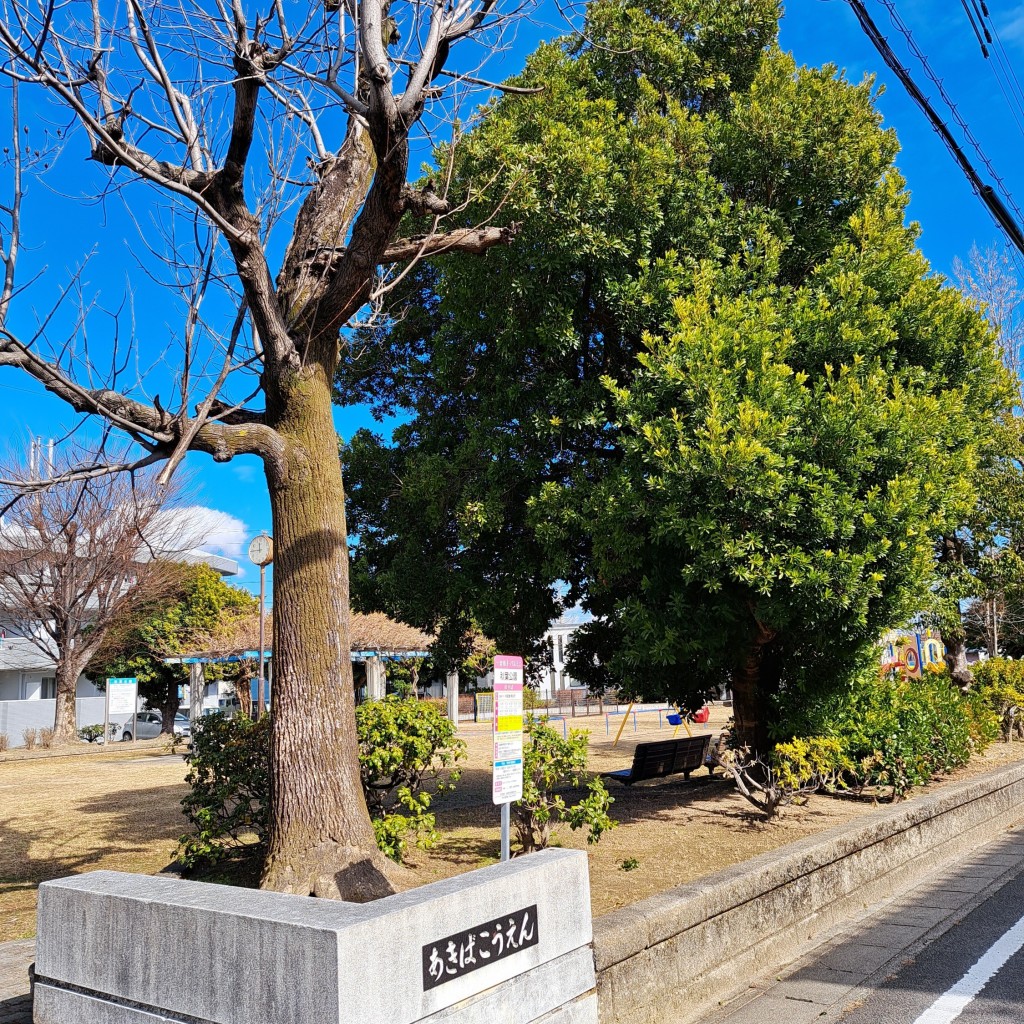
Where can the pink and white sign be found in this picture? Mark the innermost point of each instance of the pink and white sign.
(507, 780)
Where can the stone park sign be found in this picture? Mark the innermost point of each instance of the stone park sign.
(507, 944)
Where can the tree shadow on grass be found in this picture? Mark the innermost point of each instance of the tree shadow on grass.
(131, 823)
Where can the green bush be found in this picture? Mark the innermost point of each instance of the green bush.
(551, 762)
(405, 746)
(792, 772)
(531, 698)
(999, 685)
(897, 732)
(90, 733)
(228, 805)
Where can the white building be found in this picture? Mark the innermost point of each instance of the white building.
(557, 640)
(28, 676)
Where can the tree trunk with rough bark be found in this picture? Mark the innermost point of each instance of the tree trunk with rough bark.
(169, 708)
(65, 718)
(956, 660)
(322, 839)
(243, 691)
(750, 691)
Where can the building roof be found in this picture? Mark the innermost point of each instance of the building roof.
(20, 655)
(372, 635)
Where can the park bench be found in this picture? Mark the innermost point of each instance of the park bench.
(665, 757)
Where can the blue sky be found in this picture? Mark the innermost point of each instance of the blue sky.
(61, 230)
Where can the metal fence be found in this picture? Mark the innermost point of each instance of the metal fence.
(572, 703)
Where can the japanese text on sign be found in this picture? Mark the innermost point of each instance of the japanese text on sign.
(507, 782)
(121, 696)
(469, 950)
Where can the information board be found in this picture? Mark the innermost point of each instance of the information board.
(122, 696)
(507, 782)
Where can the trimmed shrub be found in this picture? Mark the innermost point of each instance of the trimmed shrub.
(552, 763)
(408, 752)
(29, 737)
(898, 732)
(46, 738)
(793, 772)
(90, 733)
(228, 806)
(999, 683)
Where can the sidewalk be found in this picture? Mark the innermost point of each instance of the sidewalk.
(835, 976)
(15, 1004)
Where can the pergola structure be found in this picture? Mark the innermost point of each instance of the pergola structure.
(375, 639)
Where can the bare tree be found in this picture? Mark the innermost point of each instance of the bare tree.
(282, 132)
(986, 555)
(990, 280)
(73, 559)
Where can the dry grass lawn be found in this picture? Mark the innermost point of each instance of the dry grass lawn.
(120, 810)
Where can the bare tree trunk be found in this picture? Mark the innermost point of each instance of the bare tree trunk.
(745, 712)
(65, 718)
(321, 840)
(750, 726)
(956, 661)
(169, 707)
(243, 691)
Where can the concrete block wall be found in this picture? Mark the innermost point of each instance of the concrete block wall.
(116, 948)
(671, 958)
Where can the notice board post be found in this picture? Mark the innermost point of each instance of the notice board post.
(507, 781)
(122, 699)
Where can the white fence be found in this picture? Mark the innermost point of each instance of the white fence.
(18, 715)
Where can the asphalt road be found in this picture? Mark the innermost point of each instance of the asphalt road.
(973, 974)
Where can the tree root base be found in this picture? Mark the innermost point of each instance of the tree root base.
(335, 872)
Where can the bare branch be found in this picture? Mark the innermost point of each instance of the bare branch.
(468, 240)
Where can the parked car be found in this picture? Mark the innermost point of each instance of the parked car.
(149, 725)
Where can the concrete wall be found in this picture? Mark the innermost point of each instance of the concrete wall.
(673, 957)
(506, 944)
(18, 715)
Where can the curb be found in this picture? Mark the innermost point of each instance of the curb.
(661, 959)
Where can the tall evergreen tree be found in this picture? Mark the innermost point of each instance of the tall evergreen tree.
(712, 386)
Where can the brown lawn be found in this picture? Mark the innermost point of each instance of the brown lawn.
(120, 810)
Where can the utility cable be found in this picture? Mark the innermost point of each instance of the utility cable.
(977, 30)
(996, 206)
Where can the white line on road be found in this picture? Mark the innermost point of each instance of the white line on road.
(955, 1000)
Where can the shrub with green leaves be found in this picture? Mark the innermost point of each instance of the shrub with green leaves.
(999, 684)
(228, 805)
(897, 732)
(90, 733)
(794, 770)
(552, 763)
(408, 751)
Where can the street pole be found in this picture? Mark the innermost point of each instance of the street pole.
(261, 553)
(261, 695)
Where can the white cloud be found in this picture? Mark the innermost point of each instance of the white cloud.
(1012, 31)
(209, 529)
(220, 532)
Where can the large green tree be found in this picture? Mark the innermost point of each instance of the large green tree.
(141, 643)
(712, 386)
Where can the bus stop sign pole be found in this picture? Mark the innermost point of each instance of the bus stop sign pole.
(507, 733)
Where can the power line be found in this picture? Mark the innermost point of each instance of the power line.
(997, 207)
